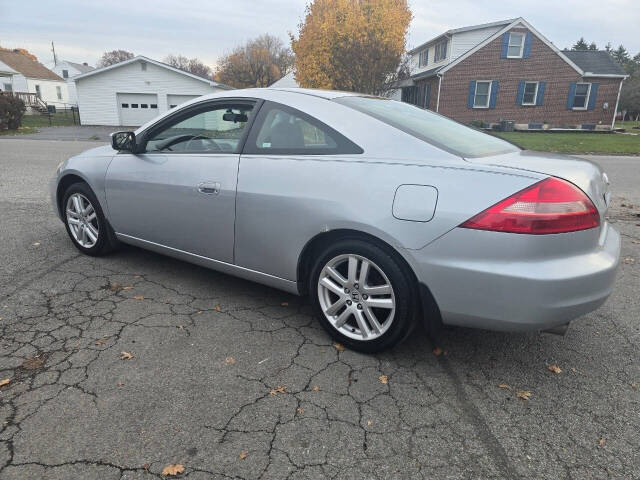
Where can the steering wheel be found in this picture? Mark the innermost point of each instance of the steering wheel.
(210, 141)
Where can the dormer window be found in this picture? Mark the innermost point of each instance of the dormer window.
(65, 73)
(440, 51)
(516, 45)
(423, 58)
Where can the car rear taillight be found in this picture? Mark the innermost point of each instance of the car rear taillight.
(550, 206)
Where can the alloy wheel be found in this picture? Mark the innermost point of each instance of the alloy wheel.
(82, 220)
(356, 297)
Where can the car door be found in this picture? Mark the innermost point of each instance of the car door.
(180, 192)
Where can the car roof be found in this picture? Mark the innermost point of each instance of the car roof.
(265, 93)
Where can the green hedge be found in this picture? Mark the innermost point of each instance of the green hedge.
(11, 112)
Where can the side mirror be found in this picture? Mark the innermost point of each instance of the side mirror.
(123, 141)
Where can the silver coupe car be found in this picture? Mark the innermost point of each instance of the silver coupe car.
(383, 213)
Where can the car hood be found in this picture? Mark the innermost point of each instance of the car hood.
(588, 176)
(98, 151)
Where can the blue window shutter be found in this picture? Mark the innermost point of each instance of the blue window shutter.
(572, 94)
(472, 92)
(505, 45)
(540, 98)
(520, 94)
(527, 45)
(428, 99)
(592, 96)
(494, 94)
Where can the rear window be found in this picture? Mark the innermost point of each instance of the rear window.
(430, 127)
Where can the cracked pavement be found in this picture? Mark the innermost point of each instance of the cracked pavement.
(237, 380)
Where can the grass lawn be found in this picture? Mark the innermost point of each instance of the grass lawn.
(57, 120)
(613, 144)
(628, 125)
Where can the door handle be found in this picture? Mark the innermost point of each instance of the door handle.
(209, 188)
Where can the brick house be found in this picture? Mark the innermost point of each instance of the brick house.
(509, 71)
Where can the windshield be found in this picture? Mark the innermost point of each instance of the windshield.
(431, 127)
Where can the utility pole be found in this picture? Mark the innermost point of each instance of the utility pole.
(53, 49)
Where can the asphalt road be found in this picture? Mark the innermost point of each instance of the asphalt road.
(235, 380)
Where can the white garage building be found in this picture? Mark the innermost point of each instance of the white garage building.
(135, 91)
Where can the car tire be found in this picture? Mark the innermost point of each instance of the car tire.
(368, 314)
(88, 229)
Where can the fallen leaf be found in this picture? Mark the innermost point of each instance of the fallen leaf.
(437, 351)
(369, 422)
(284, 304)
(181, 327)
(198, 312)
(339, 347)
(33, 363)
(125, 356)
(554, 368)
(115, 287)
(128, 287)
(505, 386)
(299, 411)
(173, 470)
(384, 379)
(279, 389)
(4, 382)
(100, 342)
(138, 297)
(635, 386)
(601, 442)
(523, 394)
(36, 244)
(120, 384)
(146, 467)
(230, 360)
(243, 454)
(217, 308)
(629, 260)
(315, 388)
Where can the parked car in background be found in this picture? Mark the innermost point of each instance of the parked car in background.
(385, 214)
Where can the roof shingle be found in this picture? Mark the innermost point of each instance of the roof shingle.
(26, 66)
(595, 62)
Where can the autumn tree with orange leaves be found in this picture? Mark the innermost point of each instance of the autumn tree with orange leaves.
(354, 45)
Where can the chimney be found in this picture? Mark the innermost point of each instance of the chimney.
(85, 64)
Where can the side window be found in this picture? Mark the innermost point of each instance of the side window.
(282, 130)
(216, 129)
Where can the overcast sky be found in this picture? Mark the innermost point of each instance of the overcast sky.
(82, 30)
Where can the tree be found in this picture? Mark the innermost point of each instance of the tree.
(630, 97)
(354, 45)
(257, 63)
(114, 56)
(593, 46)
(580, 45)
(621, 55)
(192, 65)
(607, 48)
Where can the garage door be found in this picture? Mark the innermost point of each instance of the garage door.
(137, 108)
(175, 100)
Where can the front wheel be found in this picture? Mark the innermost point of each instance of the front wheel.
(362, 295)
(85, 222)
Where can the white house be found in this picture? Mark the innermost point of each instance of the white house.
(6, 77)
(288, 81)
(34, 78)
(135, 91)
(69, 70)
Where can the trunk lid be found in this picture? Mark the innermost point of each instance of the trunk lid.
(586, 175)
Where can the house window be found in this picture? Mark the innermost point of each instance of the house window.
(530, 93)
(172, 106)
(8, 87)
(482, 94)
(144, 105)
(59, 93)
(153, 105)
(516, 45)
(441, 51)
(423, 59)
(125, 105)
(134, 105)
(581, 98)
(65, 73)
(143, 66)
(38, 91)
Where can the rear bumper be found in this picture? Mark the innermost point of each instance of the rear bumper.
(514, 282)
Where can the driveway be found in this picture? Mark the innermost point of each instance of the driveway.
(121, 366)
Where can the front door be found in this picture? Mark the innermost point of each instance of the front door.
(181, 192)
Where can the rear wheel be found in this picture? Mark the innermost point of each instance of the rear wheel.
(85, 222)
(362, 295)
